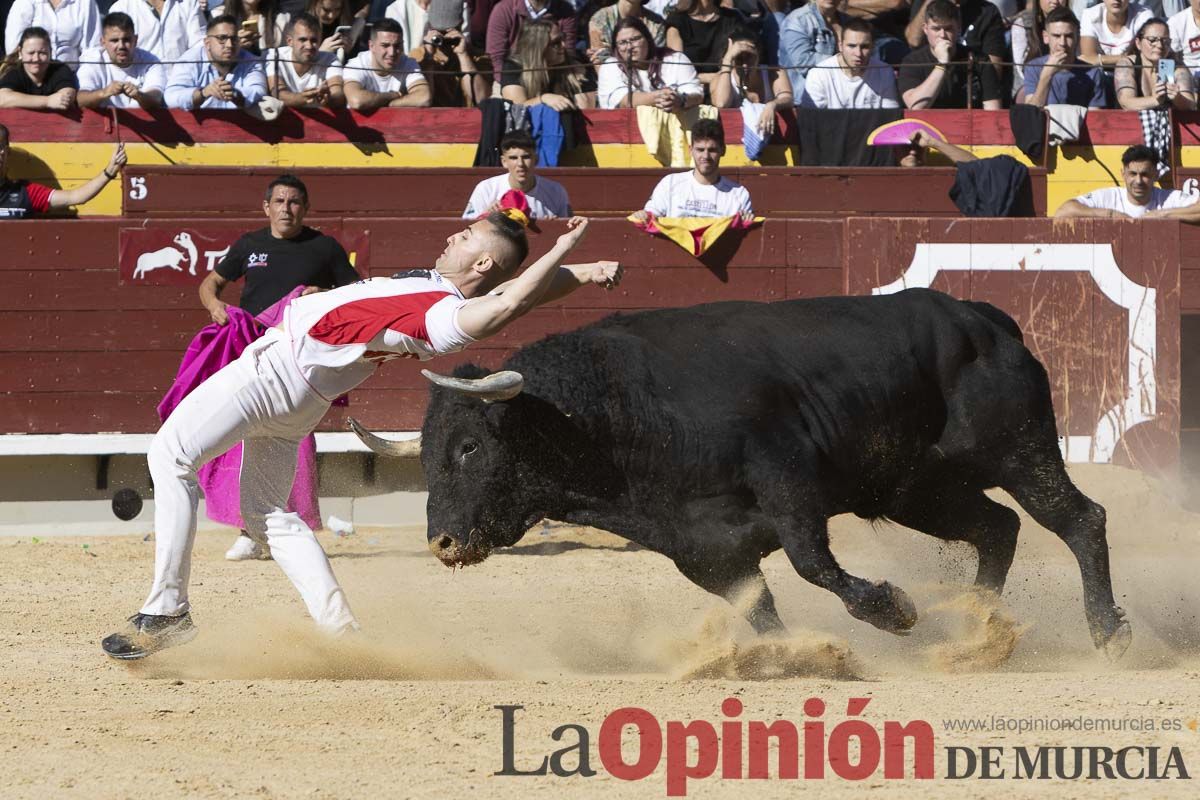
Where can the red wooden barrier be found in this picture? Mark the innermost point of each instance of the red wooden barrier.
(1099, 303)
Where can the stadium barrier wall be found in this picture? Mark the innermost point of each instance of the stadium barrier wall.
(65, 150)
(86, 347)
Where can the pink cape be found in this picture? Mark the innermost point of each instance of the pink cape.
(212, 348)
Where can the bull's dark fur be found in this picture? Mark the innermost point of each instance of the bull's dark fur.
(720, 433)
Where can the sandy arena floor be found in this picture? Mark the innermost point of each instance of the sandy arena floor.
(573, 625)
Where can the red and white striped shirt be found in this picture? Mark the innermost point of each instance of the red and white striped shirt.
(339, 337)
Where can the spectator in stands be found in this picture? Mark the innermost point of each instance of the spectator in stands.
(929, 76)
(74, 26)
(261, 24)
(1027, 41)
(332, 14)
(1185, 36)
(505, 23)
(1138, 85)
(30, 79)
(808, 35)
(518, 154)
(458, 73)
(541, 70)
(413, 16)
(383, 75)
(702, 192)
(854, 78)
(1060, 76)
(604, 22)
(118, 74)
(20, 198)
(742, 78)
(644, 75)
(275, 261)
(1139, 199)
(302, 76)
(1107, 30)
(699, 29)
(166, 28)
(217, 73)
(982, 26)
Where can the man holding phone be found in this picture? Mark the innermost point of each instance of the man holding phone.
(1148, 79)
(217, 73)
(302, 76)
(459, 74)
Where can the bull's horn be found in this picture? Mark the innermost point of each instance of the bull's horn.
(498, 386)
(408, 448)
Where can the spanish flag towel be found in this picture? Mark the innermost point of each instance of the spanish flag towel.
(694, 234)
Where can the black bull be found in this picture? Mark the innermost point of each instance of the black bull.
(717, 434)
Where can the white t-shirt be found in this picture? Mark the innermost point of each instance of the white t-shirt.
(339, 337)
(98, 71)
(828, 86)
(1116, 198)
(1113, 44)
(1185, 38)
(327, 66)
(677, 72)
(403, 78)
(681, 195)
(547, 199)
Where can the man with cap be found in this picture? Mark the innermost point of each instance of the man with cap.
(459, 75)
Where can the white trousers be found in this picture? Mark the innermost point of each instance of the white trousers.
(260, 400)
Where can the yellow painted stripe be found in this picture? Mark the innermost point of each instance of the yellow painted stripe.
(1073, 170)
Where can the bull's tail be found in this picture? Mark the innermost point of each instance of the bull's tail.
(998, 318)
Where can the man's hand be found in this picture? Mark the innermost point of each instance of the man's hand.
(1057, 61)
(217, 312)
(666, 98)
(766, 120)
(640, 217)
(311, 290)
(220, 89)
(942, 51)
(577, 228)
(113, 89)
(334, 43)
(605, 273)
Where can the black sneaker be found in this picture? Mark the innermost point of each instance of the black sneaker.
(148, 634)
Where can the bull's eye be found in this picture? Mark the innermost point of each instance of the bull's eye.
(467, 449)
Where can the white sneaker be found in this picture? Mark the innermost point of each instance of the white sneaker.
(246, 549)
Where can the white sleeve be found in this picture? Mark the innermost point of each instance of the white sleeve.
(815, 95)
(1093, 199)
(659, 203)
(441, 326)
(890, 97)
(744, 198)
(89, 35)
(478, 201)
(195, 25)
(681, 75)
(412, 74)
(1178, 199)
(20, 17)
(610, 85)
(156, 77)
(334, 70)
(1087, 24)
(91, 71)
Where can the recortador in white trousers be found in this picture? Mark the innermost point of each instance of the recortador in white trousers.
(262, 400)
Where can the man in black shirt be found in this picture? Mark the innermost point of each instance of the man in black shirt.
(274, 261)
(929, 76)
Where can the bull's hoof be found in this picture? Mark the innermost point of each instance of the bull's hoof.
(887, 608)
(1116, 640)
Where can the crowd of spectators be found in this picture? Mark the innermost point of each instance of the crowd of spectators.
(672, 54)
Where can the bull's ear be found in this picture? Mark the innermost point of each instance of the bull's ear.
(498, 386)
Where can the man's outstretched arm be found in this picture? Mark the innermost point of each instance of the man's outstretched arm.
(575, 276)
(481, 317)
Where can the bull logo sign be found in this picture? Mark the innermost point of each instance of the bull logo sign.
(162, 257)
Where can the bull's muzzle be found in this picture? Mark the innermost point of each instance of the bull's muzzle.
(454, 552)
